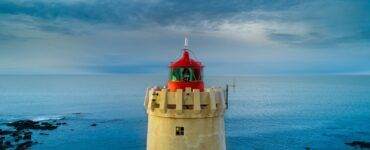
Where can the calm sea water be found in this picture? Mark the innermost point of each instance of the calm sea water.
(321, 112)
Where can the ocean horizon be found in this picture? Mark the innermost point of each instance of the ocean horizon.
(265, 112)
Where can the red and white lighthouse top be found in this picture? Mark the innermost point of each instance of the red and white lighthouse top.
(185, 73)
(186, 61)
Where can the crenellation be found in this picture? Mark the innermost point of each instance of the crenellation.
(163, 100)
(186, 103)
(196, 97)
(179, 101)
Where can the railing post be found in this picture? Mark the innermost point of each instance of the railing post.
(227, 96)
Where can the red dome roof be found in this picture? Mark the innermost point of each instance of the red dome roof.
(186, 61)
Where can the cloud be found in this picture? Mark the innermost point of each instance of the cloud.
(108, 36)
(306, 21)
(136, 13)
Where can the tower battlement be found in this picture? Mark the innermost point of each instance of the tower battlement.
(186, 103)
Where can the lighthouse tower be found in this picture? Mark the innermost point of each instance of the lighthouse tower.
(185, 115)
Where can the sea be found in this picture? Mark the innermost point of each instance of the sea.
(265, 112)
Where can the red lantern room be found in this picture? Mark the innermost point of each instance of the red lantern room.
(186, 72)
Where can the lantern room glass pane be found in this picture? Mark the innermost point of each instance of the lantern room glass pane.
(185, 74)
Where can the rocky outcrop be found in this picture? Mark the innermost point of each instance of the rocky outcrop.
(20, 137)
(29, 124)
(359, 144)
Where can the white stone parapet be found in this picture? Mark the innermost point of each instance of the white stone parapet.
(186, 103)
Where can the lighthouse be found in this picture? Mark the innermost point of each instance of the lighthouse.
(184, 114)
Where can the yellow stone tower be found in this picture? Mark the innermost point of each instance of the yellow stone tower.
(185, 115)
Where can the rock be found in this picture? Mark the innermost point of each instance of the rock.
(24, 145)
(27, 135)
(5, 132)
(8, 144)
(93, 125)
(43, 133)
(360, 144)
(22, 135)
(61, 123)
(36, 142)
(23, 124)
(47, 126)
(1, 142)
(5, 145)
(29, 124)
(17, 139)
(15, 133)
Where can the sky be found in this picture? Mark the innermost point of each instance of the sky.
(231, 37)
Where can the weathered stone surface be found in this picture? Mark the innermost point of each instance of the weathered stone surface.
(173, 125)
